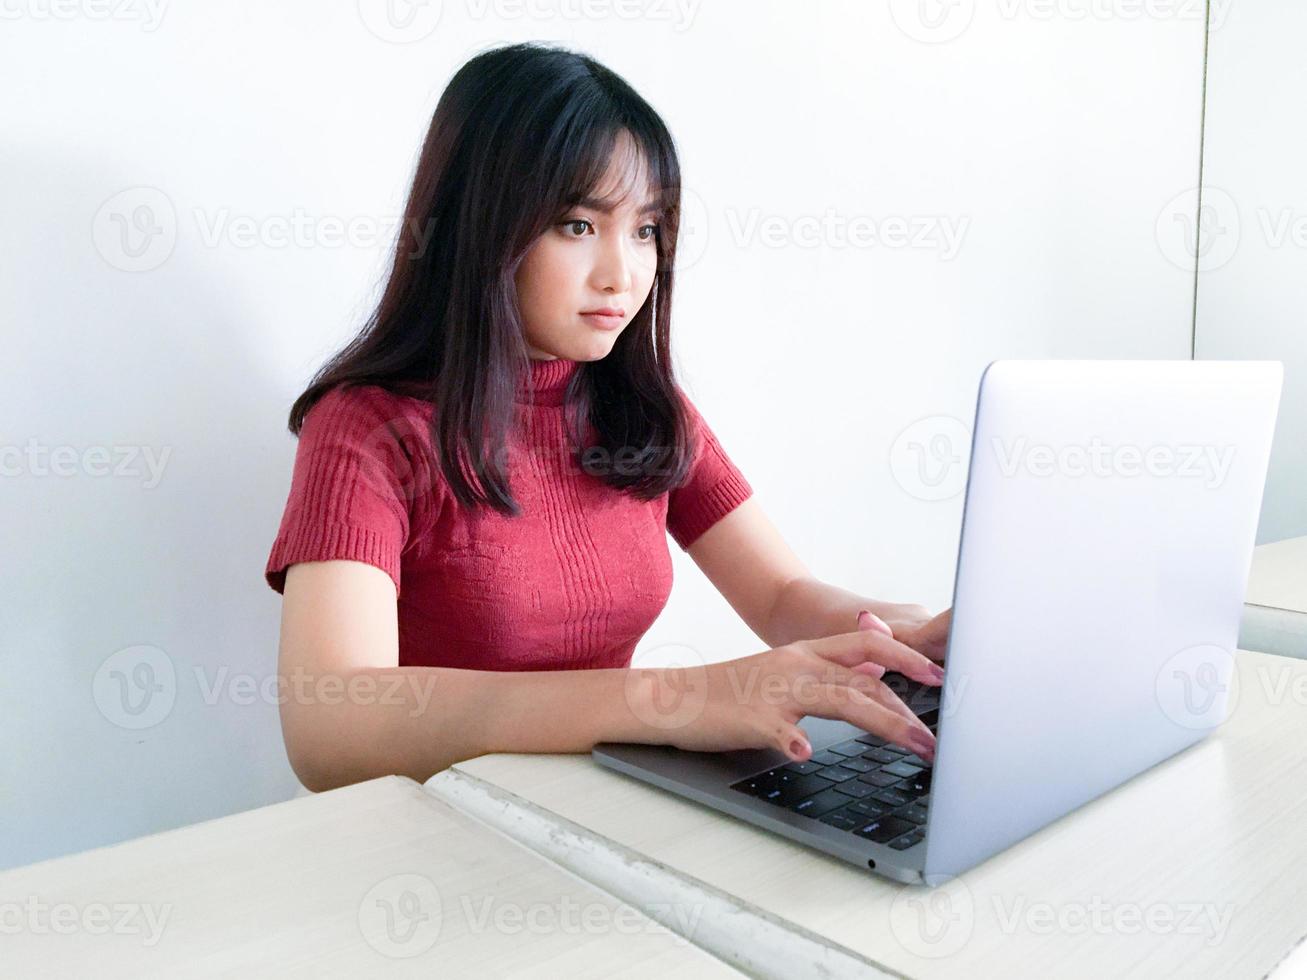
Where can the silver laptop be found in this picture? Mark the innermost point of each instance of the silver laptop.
(1107, 533)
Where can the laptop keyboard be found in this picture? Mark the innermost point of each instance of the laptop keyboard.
(864, 785)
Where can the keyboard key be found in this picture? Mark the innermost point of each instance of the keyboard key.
(826, 758)
(917, 785)
(873, 740)
(851, 747)
(757, 785)
(916, 813)
(880, 779)
(868, 808)
(901, 769)
(856, 788)
(885, 829)
(929, 718)
(896, 682)
(821, 803)
(843, 819)
(837, 773)
(795, 786)
(891, 797)
(858, 765)
(916, 760)
(904, 842)
(802, 767)
(880, 755)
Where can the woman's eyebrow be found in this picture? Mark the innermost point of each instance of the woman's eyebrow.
(595, 204)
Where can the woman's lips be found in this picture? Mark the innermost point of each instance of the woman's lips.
(604, 321)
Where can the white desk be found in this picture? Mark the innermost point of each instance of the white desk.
(1275, 610)
(305, 888)
(1221, 828)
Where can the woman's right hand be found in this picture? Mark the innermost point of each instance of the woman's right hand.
(758, 701)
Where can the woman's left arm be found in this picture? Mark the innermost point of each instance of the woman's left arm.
(771, 589)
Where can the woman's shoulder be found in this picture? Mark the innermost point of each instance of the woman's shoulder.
(354, 405)
(377, 435)
(351, 396)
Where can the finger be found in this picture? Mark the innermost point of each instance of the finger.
(868, 620)
(793, 741)
(888, 697)
(851, 705)
(870, 668)
(934, 635)
(862, 645)
(876, 689)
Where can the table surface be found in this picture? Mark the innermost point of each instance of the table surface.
(1193, 868)
(1278, 577)
(379, 877)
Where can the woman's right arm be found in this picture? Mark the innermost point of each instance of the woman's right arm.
(349, 712)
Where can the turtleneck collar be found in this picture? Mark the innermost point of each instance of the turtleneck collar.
(546, 381)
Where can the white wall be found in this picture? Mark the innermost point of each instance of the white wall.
(1252, 291)
(1049, 143)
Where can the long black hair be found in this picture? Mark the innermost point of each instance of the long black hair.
(521, 134)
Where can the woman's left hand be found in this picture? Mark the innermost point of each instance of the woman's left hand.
(914, 626)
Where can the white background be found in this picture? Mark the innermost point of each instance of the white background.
(1252, 292)
(1054, 142)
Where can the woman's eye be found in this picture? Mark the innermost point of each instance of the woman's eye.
(573, 224)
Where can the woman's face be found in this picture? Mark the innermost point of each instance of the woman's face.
(591, 259)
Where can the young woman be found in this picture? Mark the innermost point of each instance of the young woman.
(476, 532)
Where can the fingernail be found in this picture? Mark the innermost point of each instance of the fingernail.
(937, 672)
(922, 743)
(800, 748)
(867, 620)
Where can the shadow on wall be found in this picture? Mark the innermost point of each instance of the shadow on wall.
(145, 466)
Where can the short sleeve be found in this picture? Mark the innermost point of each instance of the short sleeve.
(714, 487)
(354, 485)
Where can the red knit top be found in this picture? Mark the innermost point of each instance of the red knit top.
(573, 582)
